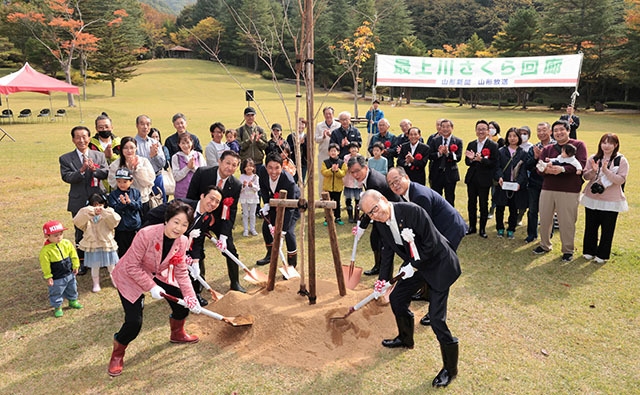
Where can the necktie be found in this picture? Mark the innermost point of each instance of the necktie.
(220, 183)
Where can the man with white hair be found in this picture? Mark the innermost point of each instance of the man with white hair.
(345, 134)
(322, 137)
(386, 138)
(406, 230)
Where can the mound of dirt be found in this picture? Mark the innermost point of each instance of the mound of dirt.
(288, 331)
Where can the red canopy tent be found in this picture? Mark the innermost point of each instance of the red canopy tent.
(29, 80)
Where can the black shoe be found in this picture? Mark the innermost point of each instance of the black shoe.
(539, 250)
(82, 270)
(450, 362)
(235, 286)
(267, 258)
(567, 257)
(395, 343)
(426, 320)
(483, 234)
(372, 272)
(471, 231)
(529, 239)
(203, 302)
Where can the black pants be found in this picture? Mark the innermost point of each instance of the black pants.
(532, 216)
(335, 196)
(513, 216)
(477, 193)
(124, 238)
(401, 299)
(449, 190)
(133, 313)
(606, 221)
(289, 238)
(232, 267)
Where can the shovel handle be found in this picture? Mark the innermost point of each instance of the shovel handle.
(184, 304)
(355, 246)
(199, 278)
(229, 254)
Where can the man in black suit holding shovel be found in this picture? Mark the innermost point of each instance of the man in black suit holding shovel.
(406, 230)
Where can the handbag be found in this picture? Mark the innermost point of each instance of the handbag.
(169, 182)
(155, 199)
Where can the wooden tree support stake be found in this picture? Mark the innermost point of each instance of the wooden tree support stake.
(335, 250)
(277, 239)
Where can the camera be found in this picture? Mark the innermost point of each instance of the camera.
(597, 188)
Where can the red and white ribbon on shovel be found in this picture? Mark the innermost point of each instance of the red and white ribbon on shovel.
(408, 236)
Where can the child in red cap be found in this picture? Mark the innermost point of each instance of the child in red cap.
(60, 263)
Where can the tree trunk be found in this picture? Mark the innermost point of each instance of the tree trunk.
(460, 97)
(499, 99)
(67, 75)
(355, 96)
(409, 92)
(255, 62)
(113, 88)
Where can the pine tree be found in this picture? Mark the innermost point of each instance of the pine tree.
(521, 36)
(115, 59)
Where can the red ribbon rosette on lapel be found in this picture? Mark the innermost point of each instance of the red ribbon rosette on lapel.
(418, 157)
(453, 148)
(173, 262)
(387, 144)
(226, 206)
(276, 195)
(485, 152)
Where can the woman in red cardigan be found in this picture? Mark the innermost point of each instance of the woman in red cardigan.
(155, 263)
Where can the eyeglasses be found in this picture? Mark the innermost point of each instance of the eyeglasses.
(373, 211)
(396, 182)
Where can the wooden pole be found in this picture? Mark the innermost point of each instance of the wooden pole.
(335, 250)
(311, 168)
(275, 247)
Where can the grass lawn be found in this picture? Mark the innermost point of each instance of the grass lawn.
(527, 324)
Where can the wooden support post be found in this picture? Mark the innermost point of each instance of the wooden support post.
(277, 239)
(335, 250)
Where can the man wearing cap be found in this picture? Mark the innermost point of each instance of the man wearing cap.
(373, 116)
(83, 169)
(252, 138)
(179, 121)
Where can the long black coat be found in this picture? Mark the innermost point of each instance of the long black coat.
(505, 170)
(438, 264)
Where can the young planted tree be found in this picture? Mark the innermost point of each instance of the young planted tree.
(59, 27)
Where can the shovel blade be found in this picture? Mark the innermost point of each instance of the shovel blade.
(215, 295)
(289, 272)
(351, 276)
(240, 320)
(255, 277)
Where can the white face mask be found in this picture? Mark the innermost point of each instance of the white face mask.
(492, 131)
(525, 138)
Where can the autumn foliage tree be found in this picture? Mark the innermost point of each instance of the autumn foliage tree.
(353, 52)
(59, 27)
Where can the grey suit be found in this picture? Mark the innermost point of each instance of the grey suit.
(81, 188)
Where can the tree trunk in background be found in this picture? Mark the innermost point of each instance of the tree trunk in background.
(67, 75)
(113, 88)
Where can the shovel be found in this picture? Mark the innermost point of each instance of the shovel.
(374, 295)
(351, 273)
(287, 271)
(233, 321)
(253, 276)
(214, 294)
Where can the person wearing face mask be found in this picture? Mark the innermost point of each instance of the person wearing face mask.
(105, 141)
(525, 134)
(494, 135)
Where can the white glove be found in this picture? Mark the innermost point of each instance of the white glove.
(192, 304)
(407, 270)
(156, 292)
(194, 234)
(222, 243)
(195, 268)
(265, 210)
(358, 231)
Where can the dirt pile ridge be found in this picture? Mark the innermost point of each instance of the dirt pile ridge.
(288, 331)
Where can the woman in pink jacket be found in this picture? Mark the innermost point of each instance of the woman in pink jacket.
(155, 263)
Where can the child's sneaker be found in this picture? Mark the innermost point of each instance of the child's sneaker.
(253, 232)
(510, 234)
(501, 233)
(339, 221)
(96, 288)
(57, 312)
(245, 234)
(74, 304)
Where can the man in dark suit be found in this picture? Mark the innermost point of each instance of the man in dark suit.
(345, 134)
(574, 122)
(445, 151)
(406, 230)
(414, 156)
(481, 156)
(224, 216)
(83, 169)
(446, 219)
(371, 179)
(272, 181)
(202, 223)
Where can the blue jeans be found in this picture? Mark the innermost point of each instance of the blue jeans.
(63, 288)
(532, 215)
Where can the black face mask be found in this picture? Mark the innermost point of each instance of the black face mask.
(105, 134)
